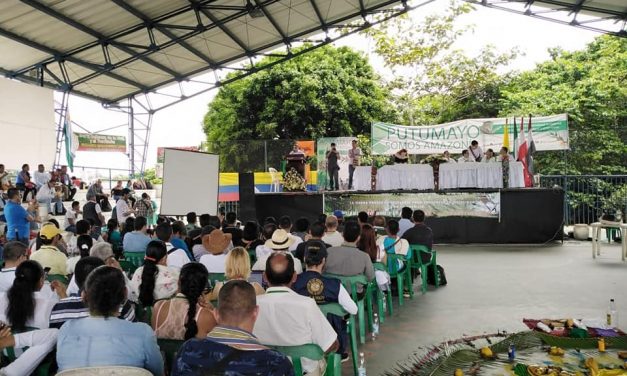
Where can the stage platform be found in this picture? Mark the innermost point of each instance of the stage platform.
(488, 216)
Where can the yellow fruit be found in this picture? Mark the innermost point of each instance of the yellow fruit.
(486, 352)
(458, 372)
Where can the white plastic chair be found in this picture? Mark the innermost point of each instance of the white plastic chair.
(276, 183)
(106, 371)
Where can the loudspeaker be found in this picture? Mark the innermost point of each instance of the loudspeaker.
(247, 210)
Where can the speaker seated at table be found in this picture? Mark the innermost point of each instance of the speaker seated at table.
(296, 160)
(401, 156)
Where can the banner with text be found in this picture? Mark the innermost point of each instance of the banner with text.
(100, 142)
(549, 133)
(453, 204)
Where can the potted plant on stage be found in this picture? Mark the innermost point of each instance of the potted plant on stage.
(294, 182)
(434, 160)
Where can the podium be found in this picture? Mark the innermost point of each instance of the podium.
(296, 160)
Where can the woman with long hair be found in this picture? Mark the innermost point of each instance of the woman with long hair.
(114, 237)
(25, 305)
(368, 242)
(102, 339)
(183, 316)
(84, 244)
(237, 267)
(155, 280)
(129, 226)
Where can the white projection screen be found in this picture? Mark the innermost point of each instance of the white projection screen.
(27, 125)
(190, 182)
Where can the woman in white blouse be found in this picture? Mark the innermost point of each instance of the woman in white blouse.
(155, 280)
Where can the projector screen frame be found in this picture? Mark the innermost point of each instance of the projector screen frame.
(165, 175)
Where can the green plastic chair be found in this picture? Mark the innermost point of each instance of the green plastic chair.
(313, 352)
(136, 258)
(169, 348)
(336, 309)
(43, 369)
(143, 314)
(350, 283)
(417, 250)
(128, 267)
(216, 277)
(58, 277)
(252, 254)
(388, 294)
(404, 275)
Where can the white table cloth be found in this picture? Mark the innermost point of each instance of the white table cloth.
(516, 176)
(470, 175)
(405, 176)
(362, 178)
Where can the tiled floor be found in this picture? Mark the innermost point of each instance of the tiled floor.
(493, 288)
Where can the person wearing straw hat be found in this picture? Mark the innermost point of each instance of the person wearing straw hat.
(216, 243)
(49, 255)
(280, 242)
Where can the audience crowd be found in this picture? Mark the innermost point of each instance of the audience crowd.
(101, 293)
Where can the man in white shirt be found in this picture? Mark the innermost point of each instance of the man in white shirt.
(475, 151)
(47, 195)
(331, 235)
(354, 155)
(177, 257)
(72, 216)
(405, 222)
(281, 242)
(122, 209)
(40, 176)
(465, 158)
(216, 244)
(289, 319)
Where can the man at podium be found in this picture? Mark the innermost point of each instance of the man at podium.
(296, 160)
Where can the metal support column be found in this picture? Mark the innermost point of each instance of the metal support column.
(60, 112)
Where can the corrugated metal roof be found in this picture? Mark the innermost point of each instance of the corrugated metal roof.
(110, 50)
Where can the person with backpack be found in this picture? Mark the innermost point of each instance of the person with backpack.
(143, 208)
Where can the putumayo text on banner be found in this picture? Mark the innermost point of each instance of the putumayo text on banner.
(100, 142)
(549, 133)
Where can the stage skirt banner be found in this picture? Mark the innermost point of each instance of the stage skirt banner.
(100, 142)
(342, 144)
(453, 204)
(549, 133)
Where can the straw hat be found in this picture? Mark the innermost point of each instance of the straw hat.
(216, 242)
(280, 240)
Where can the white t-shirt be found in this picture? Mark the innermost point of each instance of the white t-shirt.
(260, 264)
(474, 153)
(44, 302)
(297, 241)
(70, 214)
(177, 258)
(334, 238)
(213, 263)
(41, 178)
(121, 207)
(289, 319)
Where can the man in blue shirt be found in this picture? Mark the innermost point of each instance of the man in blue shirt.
(18, 220)
(138, 240)
(231, 348)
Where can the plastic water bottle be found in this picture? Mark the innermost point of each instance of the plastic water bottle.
(612, 319)
(361, 370)
(375, 326)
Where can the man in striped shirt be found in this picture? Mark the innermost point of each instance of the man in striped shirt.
(72, 307)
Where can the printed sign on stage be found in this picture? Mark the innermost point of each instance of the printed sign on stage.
(549, 133)
(454, 204)
(342, 144)
(100, 142)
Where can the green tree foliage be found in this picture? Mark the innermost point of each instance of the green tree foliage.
(326, 92)
(433, 81)
(589, 85)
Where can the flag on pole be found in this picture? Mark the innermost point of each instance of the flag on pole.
(506, 134)
(67, 134)
(515, 150)
(531, 149)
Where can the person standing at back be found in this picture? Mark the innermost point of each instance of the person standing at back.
(122, 208)
(333, 168)
(475, 151)
(354, 156)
